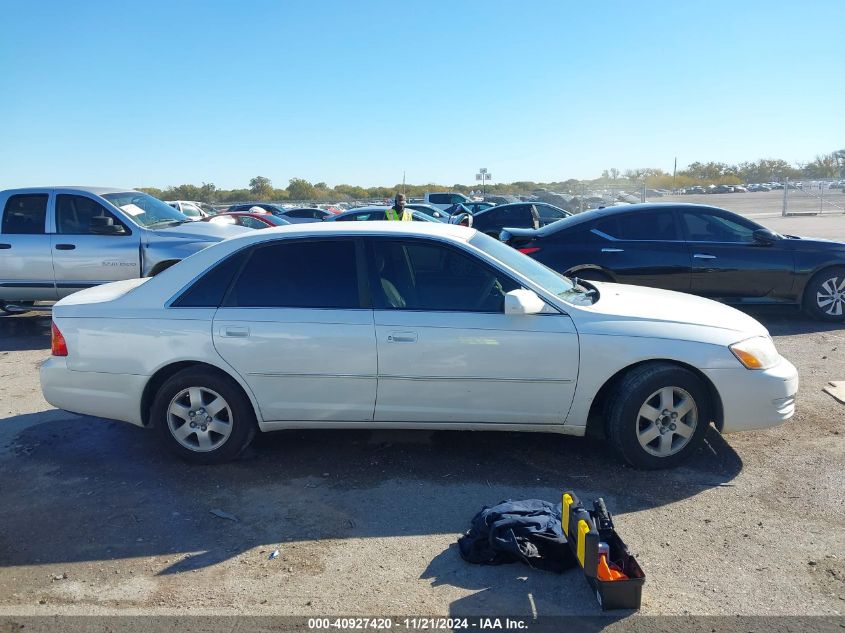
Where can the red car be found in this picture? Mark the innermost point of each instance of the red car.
(249, 220)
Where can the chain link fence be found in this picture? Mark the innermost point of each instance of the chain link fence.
(813, 197)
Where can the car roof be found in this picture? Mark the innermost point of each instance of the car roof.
(95, 190)
(592, 214)
(377, 227)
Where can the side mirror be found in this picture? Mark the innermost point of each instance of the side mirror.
(523, 301)
(104, 225)
(765, 237)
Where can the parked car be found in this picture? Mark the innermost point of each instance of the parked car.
(57, 240)
(475, 206)
(375, 214)
(427, 209)
(297, 215)
(693, 248)
(305, 214)
(409, 325)
(190, 210)
(491, 221)
(248, 207)
(443, 199)
(249, 220)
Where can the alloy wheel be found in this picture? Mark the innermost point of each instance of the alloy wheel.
(666, 421)
(199, 419)
(831, 296)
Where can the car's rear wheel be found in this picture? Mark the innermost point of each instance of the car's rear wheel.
(658, 415)
(203, 416)
(824, 298)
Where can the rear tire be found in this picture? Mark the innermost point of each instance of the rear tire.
(824, 297)
(658, 415)
(203, 416)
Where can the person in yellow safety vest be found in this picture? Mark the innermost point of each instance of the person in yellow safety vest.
(398, 212)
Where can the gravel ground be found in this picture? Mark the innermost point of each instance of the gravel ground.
(96, 520)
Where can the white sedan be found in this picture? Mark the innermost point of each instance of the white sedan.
(407, 325)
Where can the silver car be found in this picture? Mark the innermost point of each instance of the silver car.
(57, 240)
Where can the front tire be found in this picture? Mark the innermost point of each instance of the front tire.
(824, 298)
(657, 415)
(203, 416)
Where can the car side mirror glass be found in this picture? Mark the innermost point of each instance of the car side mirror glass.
(522, 301)
(765, 236)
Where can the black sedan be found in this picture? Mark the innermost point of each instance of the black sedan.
(374, 214)
(294, 216)
(693, 248)
(521, 214)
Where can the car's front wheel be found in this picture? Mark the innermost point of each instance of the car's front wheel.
(203, 416)
(658, 415)
(824, 297)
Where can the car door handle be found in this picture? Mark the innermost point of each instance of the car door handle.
(613, 250)
(5, 246)
(65, 247)
(234, 332)
(402, 337)
(703, 256)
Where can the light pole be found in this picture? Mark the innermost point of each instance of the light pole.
(483, 175)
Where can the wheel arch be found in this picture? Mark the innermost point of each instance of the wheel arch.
(596, 418)
(162, 266)
(808, 279)
(164, 373)
(580, 268)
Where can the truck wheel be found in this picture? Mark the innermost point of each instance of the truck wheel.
(824, 297)
(658, 415)
(203, 416)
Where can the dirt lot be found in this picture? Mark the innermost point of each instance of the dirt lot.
(95, 519)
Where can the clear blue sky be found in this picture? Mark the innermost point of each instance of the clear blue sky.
(157, 93)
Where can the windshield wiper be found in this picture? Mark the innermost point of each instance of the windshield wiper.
(168, 222)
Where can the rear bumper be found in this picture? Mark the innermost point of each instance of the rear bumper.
(112, 396)
(755, 399)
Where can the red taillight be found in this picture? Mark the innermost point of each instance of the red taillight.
(529, 250)
(58, 345)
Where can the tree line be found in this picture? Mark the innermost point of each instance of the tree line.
(711, 173)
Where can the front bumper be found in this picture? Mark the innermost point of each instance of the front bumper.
(112, 396)
(755, 399)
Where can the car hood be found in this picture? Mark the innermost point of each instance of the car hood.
(640, 311)
(200, 231)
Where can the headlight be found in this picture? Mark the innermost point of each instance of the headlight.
(756, 353)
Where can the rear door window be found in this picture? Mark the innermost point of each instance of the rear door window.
(299, 274)
(641, 226)
(25, 214)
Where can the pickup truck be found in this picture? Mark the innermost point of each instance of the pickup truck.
(57, 240)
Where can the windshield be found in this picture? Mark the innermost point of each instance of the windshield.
(553, 282)
(145, 210)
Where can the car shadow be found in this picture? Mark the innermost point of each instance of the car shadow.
(24, 332)
(788, 320)
(79, 488)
